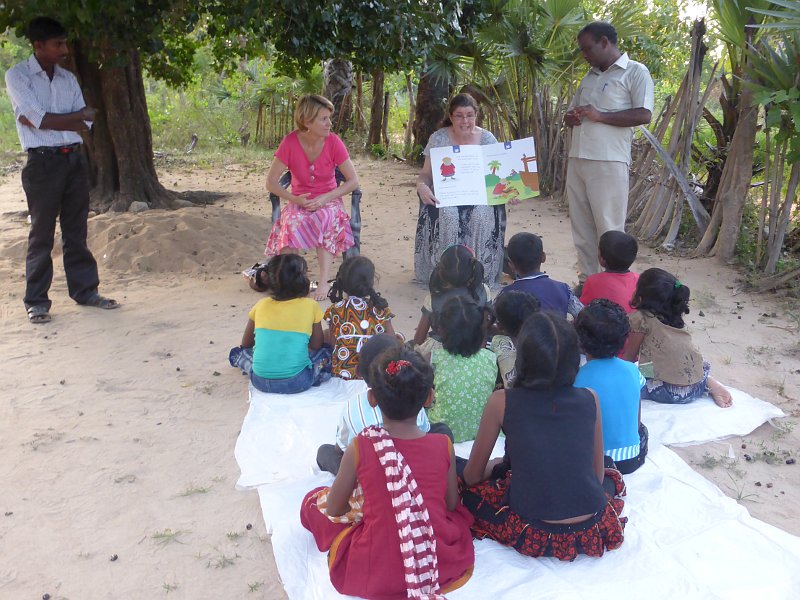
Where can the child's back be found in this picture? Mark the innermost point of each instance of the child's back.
(463, 383)
(357, 313)
(603, 328)
(616, 252)
(282, 331)
(353, 566)
(392, 520)
(543, 444)
(617, 287)
(526, 255)
(553, 500)
(553, 296)
(464, 371)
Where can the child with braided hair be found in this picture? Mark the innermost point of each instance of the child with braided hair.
(392, 521)
(358, 312)
(674, 369)
(458, 273)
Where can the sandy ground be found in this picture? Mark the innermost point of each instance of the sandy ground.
(118, 427)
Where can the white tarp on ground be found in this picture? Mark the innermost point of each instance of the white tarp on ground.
(685, 539)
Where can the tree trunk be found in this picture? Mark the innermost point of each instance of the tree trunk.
(385, 119)
(120, 145)
(376, 109)
(432, 95)
(412, 107)
(733, 196)
(338, 74)
(361, 121)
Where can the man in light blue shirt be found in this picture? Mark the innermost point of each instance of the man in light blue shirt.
(49, 111)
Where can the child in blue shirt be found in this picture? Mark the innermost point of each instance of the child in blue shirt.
(525, 257)
(602, 330)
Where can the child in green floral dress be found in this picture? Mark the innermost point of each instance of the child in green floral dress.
(464, 370)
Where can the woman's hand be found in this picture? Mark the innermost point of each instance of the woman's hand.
(424, 183)
(313, 204)
(426, 195)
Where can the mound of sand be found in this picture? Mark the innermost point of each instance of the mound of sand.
(188, 240)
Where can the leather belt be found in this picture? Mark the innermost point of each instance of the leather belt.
(52, 150)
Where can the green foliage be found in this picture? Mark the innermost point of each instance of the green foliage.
(788, 19)
(775, 69)
(390, 35)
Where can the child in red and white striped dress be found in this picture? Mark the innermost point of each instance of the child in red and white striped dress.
(412, 541)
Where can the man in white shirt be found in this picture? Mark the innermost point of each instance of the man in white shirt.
(615, 96)
(49, 110)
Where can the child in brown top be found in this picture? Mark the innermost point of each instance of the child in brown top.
(679, 373)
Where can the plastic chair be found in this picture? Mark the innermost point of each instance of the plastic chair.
(355, 209)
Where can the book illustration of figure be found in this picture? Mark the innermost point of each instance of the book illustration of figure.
(448, 169)
(504, 189)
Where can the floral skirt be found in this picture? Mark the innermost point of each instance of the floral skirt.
(494, 519)
(667, 393)
(327, 228)
(482, 228)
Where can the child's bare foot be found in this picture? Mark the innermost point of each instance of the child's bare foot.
(719, 394)
(321, 293)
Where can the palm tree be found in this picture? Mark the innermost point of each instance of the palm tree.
(494, 165)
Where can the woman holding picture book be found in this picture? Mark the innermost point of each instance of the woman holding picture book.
(482, 228)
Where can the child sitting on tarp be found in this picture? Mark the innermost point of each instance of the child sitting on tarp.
(525, 257)
(392, 522)
(358, 413)
(549, 499)
(510, 309)
(465, 371)
(458, 273)
(674, 368)
(602, 330)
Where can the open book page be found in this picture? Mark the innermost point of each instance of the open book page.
(458, 175)
(510, 171)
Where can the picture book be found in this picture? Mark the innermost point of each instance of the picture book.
(480, 175)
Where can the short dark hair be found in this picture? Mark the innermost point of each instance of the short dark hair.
(287, 278)
(401, 395)
(461, 326)
(356, 277)
(42, 29)
(525, 251)
(600, 29)
(512, 307)
(618, 250)
(547, 352)
(602, 328)
(371, 349)
(661, 294)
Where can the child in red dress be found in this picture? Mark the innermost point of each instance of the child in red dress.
(412, 541)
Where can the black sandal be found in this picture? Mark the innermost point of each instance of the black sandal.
(39, 314)
(98, 301)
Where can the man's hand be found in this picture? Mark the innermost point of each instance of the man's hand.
(571, 119)
(24, 120)
(587, 111)
(88, 113)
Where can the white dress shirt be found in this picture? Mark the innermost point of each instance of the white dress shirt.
(624, 85)
(33, 94)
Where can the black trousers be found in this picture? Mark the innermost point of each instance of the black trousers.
(56, 187)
